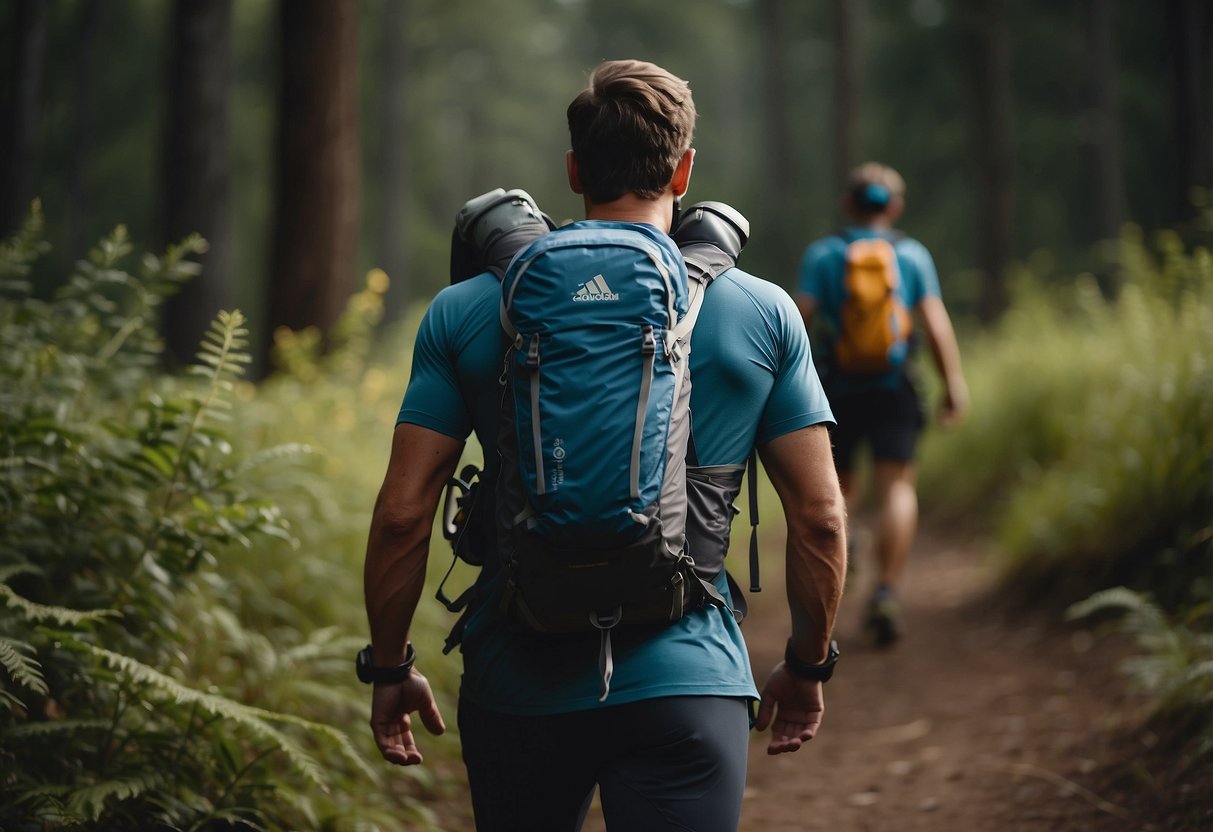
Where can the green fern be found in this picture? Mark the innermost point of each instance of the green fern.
(255, 720)
(22, 669)
(70, 728)
(1176, 662)
(90, 802)
(60, 616)
(17, 255)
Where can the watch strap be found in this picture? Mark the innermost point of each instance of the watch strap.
(368, 673)
(813, 672)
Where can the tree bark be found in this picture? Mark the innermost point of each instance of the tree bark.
(1190, 26)
(1106, 136)
(991, 66)
(196, 183)
(79, 193)
(317, 211)
(393, 175)
(21, 130)
(780, 164)
(848, 81)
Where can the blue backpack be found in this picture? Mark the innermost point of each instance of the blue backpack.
(589, 504)
(595, 417)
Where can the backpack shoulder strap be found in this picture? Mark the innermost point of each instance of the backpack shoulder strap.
(705, 262)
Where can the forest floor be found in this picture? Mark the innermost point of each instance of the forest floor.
(982, 719)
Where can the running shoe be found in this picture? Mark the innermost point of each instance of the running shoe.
(882, 623)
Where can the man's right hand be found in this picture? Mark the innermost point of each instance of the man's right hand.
(391, 725)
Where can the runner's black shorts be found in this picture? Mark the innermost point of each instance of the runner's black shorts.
(888, 419)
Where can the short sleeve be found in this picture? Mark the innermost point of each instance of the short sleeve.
(922, 281)
(797, 399)
(433, 399)
(815, 269)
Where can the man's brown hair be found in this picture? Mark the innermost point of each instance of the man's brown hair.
(629, 129)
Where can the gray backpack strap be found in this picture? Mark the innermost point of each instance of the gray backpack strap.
(705, 262)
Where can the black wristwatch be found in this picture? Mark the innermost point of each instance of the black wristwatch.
(815, 672)
(368, 673)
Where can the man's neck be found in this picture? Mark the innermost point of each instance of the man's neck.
(631, 208)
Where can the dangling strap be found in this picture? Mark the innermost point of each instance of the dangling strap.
(606, 664)
(752, 476)
(606, 660)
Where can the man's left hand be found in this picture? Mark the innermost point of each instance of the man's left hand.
(792, 707)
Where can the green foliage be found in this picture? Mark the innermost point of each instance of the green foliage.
(128, 703)
(1091, 437)
(1090, 452)
(1174, 663)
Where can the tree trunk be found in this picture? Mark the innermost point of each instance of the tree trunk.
(196, 187)
(1190, 24)
(317, 210)
(1106, 133)
(393, 175)
(991, 67)
(848, 81)
(21, 130)
(780, 165)
(78, 211)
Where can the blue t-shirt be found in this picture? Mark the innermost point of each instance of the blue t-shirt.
(752, 380)
(823, 269)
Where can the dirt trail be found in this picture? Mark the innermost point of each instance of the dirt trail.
(975, 722)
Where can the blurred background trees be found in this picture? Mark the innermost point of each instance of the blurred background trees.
(311, 142)
(1058, 159)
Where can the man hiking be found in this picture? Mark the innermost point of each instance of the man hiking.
(665, 742)
(864, 283)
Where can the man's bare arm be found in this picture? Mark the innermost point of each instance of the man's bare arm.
(944, 350)
(393, 577)
(801, 467)
(397, 548)
(807, 305)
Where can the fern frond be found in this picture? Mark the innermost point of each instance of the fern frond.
(52, 728)
(89, 802)
(18, 253)
(276, 454)
(255, 720)
(12, 570)
(337, 737)
(62, 616)
(23, 669)
(1117, 598)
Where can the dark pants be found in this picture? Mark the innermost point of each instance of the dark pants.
(889, 420)
(675, 763)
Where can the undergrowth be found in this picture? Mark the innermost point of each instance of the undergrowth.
(1089, 453)
(157, 671)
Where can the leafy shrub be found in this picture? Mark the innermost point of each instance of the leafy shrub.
(1090, 452)
(1090, 449)
(1175, 664)
(122, 506)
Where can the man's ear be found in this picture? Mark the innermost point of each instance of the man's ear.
(682, 173)
(570, 164)
(896, 206)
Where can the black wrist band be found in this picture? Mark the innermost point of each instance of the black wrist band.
(364, 666)
(814, 672)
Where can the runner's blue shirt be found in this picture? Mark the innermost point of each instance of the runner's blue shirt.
(823, 269)
(752, 380)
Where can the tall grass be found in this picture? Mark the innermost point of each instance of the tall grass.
(1089, 454)
(1090, 445)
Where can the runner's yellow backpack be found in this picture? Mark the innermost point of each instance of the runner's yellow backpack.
(874, 324)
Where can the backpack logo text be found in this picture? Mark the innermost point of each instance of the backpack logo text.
(595, 288)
